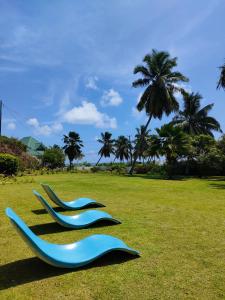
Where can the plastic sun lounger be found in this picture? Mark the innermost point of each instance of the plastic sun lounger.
(82, 220)
(71, 255)
(79, 203)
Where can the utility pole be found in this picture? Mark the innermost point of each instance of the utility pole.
(0, 117)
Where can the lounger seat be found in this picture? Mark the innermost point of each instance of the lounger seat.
(79, 203)
(71, 255)
(82, 220)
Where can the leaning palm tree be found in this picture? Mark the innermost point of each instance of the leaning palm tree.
(73, 146)
(193, 119)
(221, 82)
(161, 83)
(122, 148)
(107, 145)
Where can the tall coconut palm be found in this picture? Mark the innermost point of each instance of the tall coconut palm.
(122, 148)
(73, 146)
(141, 141)
(107, 145)
(161, 83)
(193, 119)
(221, 82)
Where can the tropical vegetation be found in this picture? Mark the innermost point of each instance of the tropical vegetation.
(161, 82)
(107, 147)
(193, 119)
(73, 146)
(221, 81)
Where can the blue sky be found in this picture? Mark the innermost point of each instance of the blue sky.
(68, 65)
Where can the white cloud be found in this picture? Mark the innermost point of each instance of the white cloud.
(88, 114)
(33, 122)
(111, 98)
(11, 126)
(44, 129)
(91, 83)
(136, 113)
(184, 86)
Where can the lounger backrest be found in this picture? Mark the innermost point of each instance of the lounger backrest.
(33, 241)
(51, 194)
(45, 204)
(37, 245)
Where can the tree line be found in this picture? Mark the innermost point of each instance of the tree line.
(175, 139)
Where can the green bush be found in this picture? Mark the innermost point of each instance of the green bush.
(142, 169)
(95, 169)
(53, 158)
(8, 164)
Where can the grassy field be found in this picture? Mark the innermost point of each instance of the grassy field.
(178, 226)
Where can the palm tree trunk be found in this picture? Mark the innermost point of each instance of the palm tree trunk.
(136, 156)
(99, 160)
(114, 159)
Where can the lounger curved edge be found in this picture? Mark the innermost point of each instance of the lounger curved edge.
(72, 255)
(78, 221)
(76, 204)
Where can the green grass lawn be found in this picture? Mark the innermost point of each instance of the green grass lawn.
(178, 226)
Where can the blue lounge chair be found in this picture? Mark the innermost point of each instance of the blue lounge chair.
(82, 220)
(71, 255)
(79, 203)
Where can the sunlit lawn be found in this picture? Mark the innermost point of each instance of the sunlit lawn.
(178, 226)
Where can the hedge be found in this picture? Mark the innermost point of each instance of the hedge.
(8, 164)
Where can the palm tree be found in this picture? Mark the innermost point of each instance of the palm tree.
(141, 141)
(152, 152)
(174, 143)
(161, 83)
(107, 145)
(194, 119)
(221, 82)
(73, 146)
(122, 148)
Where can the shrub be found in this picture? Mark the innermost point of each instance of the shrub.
(95, 169)
(8, 164)
(53, 158)
(142, 169)
(28, 162)
(211, 163)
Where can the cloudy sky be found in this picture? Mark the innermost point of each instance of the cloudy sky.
(68, 65)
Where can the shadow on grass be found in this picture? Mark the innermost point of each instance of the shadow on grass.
(33, 269)
(160, 177)
(60, 209)
(217, 186)
(216, 178)
(54, 227)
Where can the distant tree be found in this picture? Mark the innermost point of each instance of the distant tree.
(73, 146)
(193, 119)
(55, 146)
(107, 145)
(153, 148)
(174, 144)
(161, 83)
(122, 148)
(141, 141)
(221, 81)
(53, 157)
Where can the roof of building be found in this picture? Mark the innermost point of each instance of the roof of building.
(34, 147)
